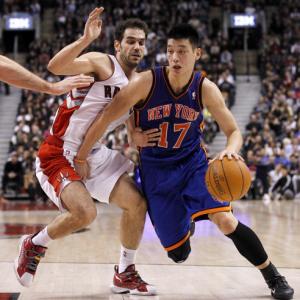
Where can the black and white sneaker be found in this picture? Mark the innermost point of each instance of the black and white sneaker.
(280, 288)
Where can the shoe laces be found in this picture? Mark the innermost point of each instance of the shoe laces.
(34, 258)
(278, 281)
(134, 276)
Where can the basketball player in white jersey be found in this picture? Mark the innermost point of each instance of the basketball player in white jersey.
(14, 74)
(108, 181)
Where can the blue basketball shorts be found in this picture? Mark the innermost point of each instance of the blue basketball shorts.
(177, 193)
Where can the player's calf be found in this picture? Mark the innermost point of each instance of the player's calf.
(249, 245)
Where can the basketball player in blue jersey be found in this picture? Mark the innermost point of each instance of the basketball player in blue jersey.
(172, 99)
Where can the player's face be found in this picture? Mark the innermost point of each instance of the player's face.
(132, 47)
(182, 56)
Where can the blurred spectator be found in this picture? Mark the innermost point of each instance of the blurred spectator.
(263, 166)
(211, 127)
(31, 6)
(13, 174)
(285, 186)
(254, 123)
(226, 84)
(4, 88)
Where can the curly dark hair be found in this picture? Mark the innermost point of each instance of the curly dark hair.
(130, 23)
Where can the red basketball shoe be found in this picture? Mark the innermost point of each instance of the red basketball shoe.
(28, 260)
(131, 282)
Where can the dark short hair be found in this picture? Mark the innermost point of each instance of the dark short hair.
(130, 23)
(184, 31)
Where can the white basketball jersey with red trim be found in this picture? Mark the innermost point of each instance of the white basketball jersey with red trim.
(82, 106)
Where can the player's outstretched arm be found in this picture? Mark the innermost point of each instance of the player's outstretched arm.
(14, 74)
(214, 102)
(137, 90)
(66, 85)
(66, 61)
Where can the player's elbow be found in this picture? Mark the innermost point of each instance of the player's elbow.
(234, 131)
(54, 68)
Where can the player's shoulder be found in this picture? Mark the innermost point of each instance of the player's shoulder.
(143, 77)
(210, 91)
(101, 62)
(208, 84)
(141, 84)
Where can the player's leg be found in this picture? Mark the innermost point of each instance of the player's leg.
(126, 195)
(81, 211)
(246, 241)
(60, 182)
(110, 183)
(250, 246)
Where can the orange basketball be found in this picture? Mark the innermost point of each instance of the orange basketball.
(228, 180)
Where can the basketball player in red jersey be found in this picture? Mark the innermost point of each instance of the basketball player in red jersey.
(108, 181)
(172, 98)
(14, 74)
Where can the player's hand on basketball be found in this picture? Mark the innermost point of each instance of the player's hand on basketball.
(230, 154)
(82, 168)
(146, 138)
(93, 24)
(69, 83)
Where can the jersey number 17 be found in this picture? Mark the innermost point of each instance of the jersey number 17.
(182, 128)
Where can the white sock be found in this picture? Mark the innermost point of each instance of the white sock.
(127, 258)
(42, 238)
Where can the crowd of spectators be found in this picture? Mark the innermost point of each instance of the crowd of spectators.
(11, 6)
(36, 111)
(35, 114)
(272, 141)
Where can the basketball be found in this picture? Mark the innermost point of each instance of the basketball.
(228, 180)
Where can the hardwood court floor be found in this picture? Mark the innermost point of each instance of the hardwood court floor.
(81, 265)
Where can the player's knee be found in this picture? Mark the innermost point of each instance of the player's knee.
(138, 205)
(141, 205)
(89, 214)
(84, 216)
(226, 222)
(181, 253)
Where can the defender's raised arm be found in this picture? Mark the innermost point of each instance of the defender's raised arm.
(67, 62)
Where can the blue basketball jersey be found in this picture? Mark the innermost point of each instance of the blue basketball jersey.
(178, 116)
(173, 172)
